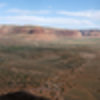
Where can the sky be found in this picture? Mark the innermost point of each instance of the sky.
(69, 14)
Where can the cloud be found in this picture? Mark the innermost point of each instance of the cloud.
(91, 14)
(46, 21)
(25, 12)
(2, 5)
(86, 14)
(82, 19)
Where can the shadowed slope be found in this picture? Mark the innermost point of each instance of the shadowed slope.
(21, 96)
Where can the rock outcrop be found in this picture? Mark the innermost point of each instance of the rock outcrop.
(48, 32)
(90, 33)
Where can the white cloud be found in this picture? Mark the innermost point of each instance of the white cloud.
(86, 14)
(24, 12)
(82, 19)
(2, 5)
(47, 21)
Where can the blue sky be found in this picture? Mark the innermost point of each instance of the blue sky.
(70, 14)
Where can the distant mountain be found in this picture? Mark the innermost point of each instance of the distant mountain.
(43, 32)
(90, 33)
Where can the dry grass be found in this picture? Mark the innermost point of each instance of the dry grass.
(67, 69)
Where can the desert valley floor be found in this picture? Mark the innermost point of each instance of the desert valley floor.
(63, 69)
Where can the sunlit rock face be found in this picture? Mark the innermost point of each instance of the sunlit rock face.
(38, 30)
(46, 34)
(21, 96)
